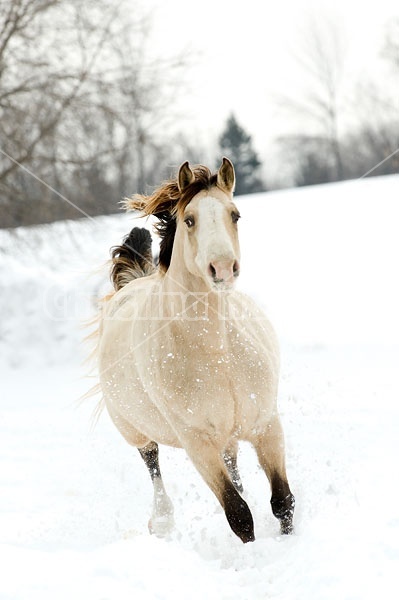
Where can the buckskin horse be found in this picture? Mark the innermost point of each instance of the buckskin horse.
(185, 359)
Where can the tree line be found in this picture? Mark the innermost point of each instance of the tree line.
(86, 113)
(325, 148)
(82, 102)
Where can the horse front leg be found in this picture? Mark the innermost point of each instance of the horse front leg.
(207, 459)
(270, 450)
(161, 521)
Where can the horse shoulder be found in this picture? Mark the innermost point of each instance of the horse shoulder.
(249, 321)
(255, 361)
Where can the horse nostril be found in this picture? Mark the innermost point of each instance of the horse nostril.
(236, 269)
(212, 271)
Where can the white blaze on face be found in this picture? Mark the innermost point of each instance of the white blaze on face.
(215, 238)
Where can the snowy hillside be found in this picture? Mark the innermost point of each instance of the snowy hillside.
(322, 260)
(75, 503)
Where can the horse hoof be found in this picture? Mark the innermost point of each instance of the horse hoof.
(160, 526)
(239, 516)
(247, 536)
(286, 527)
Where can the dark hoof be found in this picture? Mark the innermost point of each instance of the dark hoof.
(286, 526)
(283, 509)
(239, 516)
(244, 530)
(249, 538)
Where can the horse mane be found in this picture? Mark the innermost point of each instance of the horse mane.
(166, 203)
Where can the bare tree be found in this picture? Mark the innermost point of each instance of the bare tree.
(81, 106)
(39, 81)
(391, 48)
(372, 146)
(318, 110)
(310, 158)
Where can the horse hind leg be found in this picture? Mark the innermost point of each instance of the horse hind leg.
(230, 460)
(161, 522)
(271, 455)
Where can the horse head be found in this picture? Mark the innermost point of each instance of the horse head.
(207, 227)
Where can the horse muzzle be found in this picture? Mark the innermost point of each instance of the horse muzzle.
(223, 273)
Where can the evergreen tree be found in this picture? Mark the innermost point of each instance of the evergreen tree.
(236, 144)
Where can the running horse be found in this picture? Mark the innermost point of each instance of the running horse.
(186, 360)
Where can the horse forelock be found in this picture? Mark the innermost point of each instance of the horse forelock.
(167, 203)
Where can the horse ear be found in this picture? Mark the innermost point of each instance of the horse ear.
(186, 176)
(226, 178)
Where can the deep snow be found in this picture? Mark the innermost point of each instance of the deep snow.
(75, 503)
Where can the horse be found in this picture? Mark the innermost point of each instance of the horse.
(185, 359)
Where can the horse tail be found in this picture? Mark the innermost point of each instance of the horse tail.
(133, 259)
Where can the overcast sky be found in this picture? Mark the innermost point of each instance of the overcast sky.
(244, 54)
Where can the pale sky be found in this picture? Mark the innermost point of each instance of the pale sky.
(244, 55)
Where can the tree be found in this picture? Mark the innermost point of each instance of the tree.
(81, 107)
(236, 144)
(40, 82)
(320, 58)
(372, 145)
(320, 150)
(309, 157)
(391, 49)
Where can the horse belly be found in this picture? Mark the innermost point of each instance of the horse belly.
(195, 396)
(223, 394)
(127, 397)
(131, 405)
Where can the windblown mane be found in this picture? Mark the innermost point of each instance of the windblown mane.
(166, 203)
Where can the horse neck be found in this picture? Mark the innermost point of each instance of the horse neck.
(190, 297)
(178, 279)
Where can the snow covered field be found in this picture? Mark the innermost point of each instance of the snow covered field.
(75, 502)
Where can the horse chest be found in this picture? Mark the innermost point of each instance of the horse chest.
(220, 382)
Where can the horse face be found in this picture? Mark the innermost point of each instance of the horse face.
(211, 246)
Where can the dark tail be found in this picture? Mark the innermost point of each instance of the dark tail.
(133, 258)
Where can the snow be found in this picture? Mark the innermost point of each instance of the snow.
(75, 501)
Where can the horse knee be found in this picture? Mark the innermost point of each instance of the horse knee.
(238, 514)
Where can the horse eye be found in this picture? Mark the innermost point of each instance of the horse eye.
(189, 221)
(235, 216)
